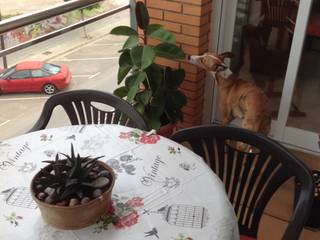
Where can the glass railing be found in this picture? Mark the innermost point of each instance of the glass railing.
(69, 50)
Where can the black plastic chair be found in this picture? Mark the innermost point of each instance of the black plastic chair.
(80, 110)
(251, 178)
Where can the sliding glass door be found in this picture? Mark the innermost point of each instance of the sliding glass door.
(276, 44)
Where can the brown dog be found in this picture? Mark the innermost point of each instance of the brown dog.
(238, 98)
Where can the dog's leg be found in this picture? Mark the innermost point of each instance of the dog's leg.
(249, 123)
(265, 125)
(227, 119)
(226, 113)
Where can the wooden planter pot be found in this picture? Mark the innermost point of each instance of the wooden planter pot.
(167, 130)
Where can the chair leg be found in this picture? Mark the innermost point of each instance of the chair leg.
(296, 112)
(270, 90)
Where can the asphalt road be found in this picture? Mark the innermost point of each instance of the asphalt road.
(93, 65)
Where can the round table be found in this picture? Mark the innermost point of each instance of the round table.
(162, 189)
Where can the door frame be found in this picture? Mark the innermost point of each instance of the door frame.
(223, 30)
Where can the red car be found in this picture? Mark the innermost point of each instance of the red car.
(34, 76)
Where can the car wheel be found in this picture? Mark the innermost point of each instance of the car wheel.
(49, 89)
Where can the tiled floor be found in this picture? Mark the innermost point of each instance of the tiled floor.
(279, 208)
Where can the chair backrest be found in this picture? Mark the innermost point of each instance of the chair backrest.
(80, 108)
(262, 59)
(256, 37)
(251, 178)
(276, 13)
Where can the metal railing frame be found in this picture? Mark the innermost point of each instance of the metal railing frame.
(26, 19)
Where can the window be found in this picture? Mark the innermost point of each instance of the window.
(39, 73)
(51, 68)
(20, 74)
(89, 67)
(7, 72)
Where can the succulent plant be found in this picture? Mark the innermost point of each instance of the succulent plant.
(71, 181)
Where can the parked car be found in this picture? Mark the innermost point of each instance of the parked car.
(34, 76)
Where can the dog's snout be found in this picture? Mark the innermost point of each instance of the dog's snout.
(193, 59)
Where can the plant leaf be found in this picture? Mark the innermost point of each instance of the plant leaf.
(125, 65)
(144, 97)
(80, 193)
(134, 85)
(158, 32)
(72, 152)
(176, 99)
(71, 182)
(168, 50)
(122, 73)
(136, 55)
(152, 28)
(173, 78)
(121, 92)
(131, 42)
(154, 123)
(124, 31)
(125, 59)
(140, 108)
(91, 161)
(157, 105)
(142, 15)
(155, 76)
(68, 192)
(130, 80)
(148, 56)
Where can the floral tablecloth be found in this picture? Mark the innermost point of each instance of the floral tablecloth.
(162, 190)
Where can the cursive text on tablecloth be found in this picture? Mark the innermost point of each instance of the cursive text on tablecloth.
(151, 176)
(11, 160)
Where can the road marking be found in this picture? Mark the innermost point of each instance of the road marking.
(4, 123)
(86, 59)
(94, 75)
(20, 99)
(106, 44)
(84, 46)
(84, 75)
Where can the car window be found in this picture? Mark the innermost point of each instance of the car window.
(51, 68)
(39, 73)
(7, 72)
(20, 74)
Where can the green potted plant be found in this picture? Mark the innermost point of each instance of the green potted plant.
(73, 193)
(151, 88)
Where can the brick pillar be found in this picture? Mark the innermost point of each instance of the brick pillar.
(189, 20)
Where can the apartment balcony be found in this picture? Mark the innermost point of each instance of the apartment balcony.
(76, 34)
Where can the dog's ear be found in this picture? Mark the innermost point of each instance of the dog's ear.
(226, 55)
